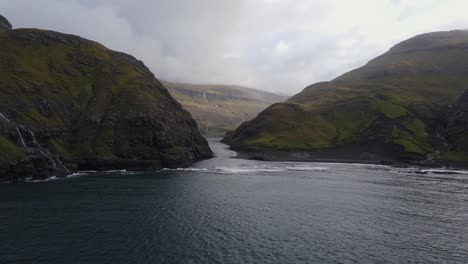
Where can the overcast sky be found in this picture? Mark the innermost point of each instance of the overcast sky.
(276, 45)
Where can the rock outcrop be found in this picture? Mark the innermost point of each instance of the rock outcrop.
(4, 24)
(457, 124)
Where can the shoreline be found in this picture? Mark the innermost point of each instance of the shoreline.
(327, 157)
(262, 157)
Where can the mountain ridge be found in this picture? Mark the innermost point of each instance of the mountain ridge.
(391, 109)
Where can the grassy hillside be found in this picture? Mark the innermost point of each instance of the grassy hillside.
(395, 107)
(65, 99)
(220, 108)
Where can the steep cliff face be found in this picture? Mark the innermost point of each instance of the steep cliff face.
(67, 103)
(405, 105)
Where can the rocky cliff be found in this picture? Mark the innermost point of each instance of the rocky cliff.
(68, 104)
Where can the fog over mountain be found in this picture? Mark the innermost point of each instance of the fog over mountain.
(275, 45)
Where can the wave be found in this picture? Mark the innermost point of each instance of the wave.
(80, 174)
(248, 170)
(307, 168)
(236, 170)
(42, 180)
(443, 171)
(185, 169)
(114, 171)
(54, 178)
(270, 169)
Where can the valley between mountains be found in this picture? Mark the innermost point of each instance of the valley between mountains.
(70, 104)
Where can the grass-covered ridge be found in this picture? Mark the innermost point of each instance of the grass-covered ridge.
(396, 104)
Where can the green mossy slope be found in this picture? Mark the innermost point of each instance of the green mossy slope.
(89, 106)
(395, 107)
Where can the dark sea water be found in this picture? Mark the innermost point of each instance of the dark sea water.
(235, 211)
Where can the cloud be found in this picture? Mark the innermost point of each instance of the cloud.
(281, 47)
(276, 45)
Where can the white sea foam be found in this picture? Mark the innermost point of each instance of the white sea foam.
(271, 169)
(444, 171)
(185, 169)
(54, 178)
(248, 170)
(195, 169)
(115, 171)
(306, 168)
(77, 174)
(42, 180)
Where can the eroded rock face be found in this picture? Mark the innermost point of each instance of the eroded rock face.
(4, 23)
(68, 104)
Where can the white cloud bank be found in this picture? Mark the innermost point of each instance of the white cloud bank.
(275, 45)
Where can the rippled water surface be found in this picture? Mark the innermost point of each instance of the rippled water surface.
(235, 211)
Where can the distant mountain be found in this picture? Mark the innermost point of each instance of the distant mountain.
(220, 108)
(68, 104)
(409, 105)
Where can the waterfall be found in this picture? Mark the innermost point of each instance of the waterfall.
(61, 164)
(4, 118)
(48, 155)
(34, 145)
(32, 136)
(54, 160)
(21, 138)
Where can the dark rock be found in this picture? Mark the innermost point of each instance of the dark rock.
(4, 24)
(456, 131)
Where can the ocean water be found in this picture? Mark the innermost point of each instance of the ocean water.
(229, 210)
